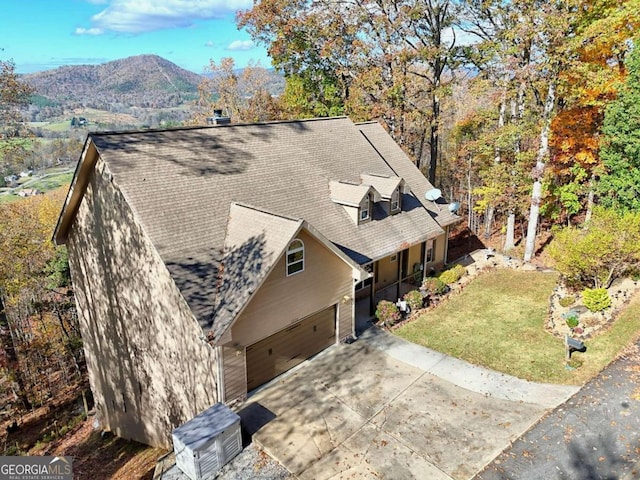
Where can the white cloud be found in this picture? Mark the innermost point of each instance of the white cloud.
(209, 44)
(88, 31)
(240, 45)
(136, 16)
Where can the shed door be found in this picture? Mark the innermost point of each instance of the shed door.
(284, 350)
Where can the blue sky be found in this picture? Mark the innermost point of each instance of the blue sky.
(44, 34)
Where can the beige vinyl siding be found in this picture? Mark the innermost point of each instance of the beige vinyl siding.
(149, 366)
(440, 242)
(235, 380)
(283, 300)
(387, 271)
(414, 257)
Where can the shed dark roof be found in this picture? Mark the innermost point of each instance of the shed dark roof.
(180, 184)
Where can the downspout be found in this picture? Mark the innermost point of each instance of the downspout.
(353, 309)
(446, 245)
(400, 261)
(220, 367)
(373, 290)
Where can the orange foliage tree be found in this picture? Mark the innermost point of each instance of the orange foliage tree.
(588, 83)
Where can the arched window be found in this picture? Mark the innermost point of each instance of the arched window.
(295, 257)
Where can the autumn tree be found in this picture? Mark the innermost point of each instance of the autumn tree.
(40, 346)
(14, 94)
(514, 52)
(588, 82)
(242, 94)
(369, 59)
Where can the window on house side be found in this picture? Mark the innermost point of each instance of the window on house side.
(295, 257)
(364, 212)
(395, 200)
(429, 255)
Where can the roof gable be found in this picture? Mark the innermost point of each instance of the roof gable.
(254, 243)
(181, 185)
(351, 194)
(385, 184)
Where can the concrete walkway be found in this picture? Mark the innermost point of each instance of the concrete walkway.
(385, 408)
(470, 377)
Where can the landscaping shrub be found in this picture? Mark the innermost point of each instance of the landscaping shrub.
(596, 299)
(572, 321)
(567, 301)
(387, 312)
(452, 274)
(434, 286)
(413, 299)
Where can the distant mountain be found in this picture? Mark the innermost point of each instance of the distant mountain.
(147, 88)
(130, 78)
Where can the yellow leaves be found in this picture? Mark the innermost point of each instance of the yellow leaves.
(25, 239)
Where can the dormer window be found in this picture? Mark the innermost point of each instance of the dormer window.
(295, 257)
(389, 188)
(395, 200)
(365, 210)
(356, 199)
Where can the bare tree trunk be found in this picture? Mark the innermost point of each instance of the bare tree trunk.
(509, 242)
(517, 113)
(538, 173)
(433, 138)
(488, 221)
(469, 206)
(587, 217)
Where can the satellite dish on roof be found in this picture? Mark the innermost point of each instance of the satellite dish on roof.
(433, 194)
(454, 207)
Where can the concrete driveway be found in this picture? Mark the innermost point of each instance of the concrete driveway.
(384, 408)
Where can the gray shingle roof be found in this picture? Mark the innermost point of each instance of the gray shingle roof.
(180, 184)
(403, 167)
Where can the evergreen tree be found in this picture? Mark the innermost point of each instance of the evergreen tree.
(619, 187)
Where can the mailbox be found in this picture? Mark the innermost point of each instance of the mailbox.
(573, 345)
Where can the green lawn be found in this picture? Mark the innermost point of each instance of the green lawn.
(52, 181)
(497, 321)
(8, 198)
